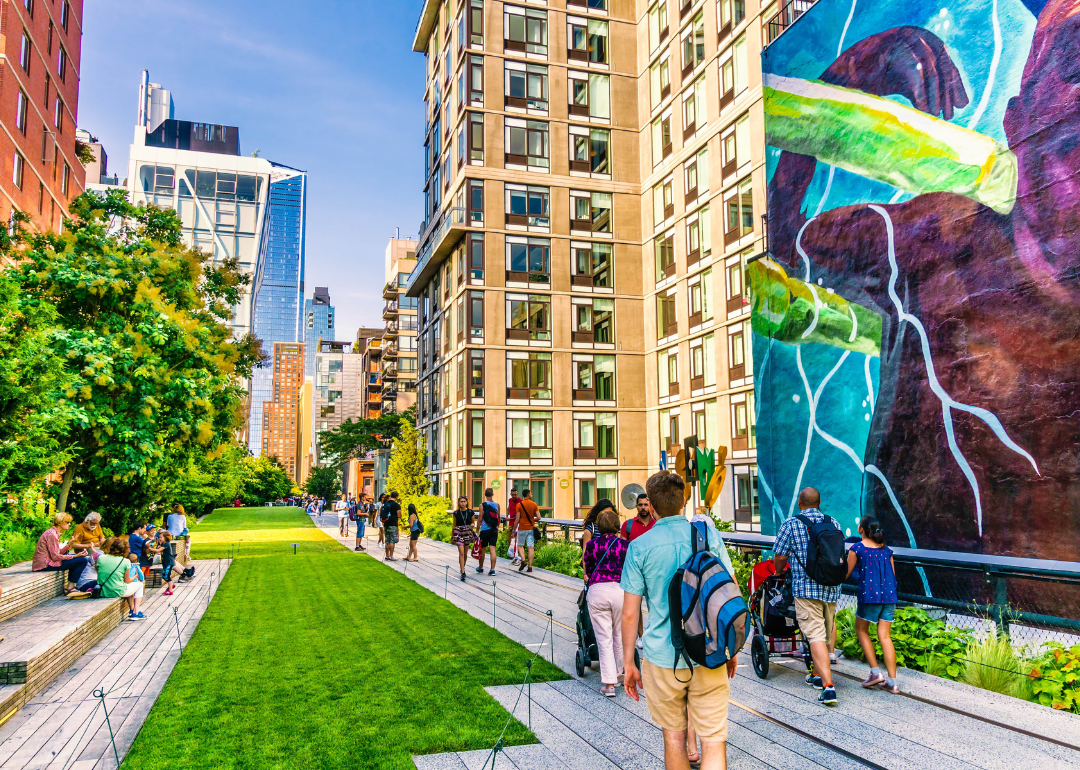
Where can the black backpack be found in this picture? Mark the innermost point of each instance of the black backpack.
(826, 553)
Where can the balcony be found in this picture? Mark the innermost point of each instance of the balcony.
(390, 330)
(390, 310)
(390, 291)
(390, 371)
(438, 240)
(390, 351)
(389, 392)
(374, 381)
(785, 17)
(389, 407)
(374, 398)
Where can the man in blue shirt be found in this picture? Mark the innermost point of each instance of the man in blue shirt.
(651, 562)
(815, 604)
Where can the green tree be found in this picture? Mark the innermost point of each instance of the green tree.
(353, 439)
(141, 326)
(324, 481)
(206, 482)
(264, 479)
(407, 474)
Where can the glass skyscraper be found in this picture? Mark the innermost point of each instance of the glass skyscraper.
(318, 323)
(279, 284)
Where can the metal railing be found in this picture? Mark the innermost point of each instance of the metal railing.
(785, 17)
(432, 236)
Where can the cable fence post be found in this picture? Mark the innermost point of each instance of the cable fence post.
(179, 640)
(494, 591)
(446, 580)
(551, 637)
(210, 589)
(100, 693)
(528, 685)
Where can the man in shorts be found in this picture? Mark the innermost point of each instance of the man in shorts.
(528, 513)
(488, 529)
(815, 604)
(383, 499)
(674, 696)
(341, 508)
(359, 516)
(390, 516)
(511, 526)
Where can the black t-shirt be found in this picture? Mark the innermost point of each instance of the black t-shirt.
(391, 514)
(463, 518)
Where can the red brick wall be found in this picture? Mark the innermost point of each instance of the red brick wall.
(42, 195)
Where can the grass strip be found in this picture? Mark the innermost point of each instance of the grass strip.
(326, 659)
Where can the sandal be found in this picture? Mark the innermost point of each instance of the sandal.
(694, 758)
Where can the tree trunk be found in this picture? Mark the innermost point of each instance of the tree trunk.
(65, 488)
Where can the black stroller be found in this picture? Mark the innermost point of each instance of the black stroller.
(772, 613)
(587, 654)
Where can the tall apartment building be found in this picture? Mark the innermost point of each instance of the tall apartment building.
(197, 170)
(339, 389)
(369, 345)
(318, 322)
(594, 187)
(39, 96)
(302, 439)
(280, 412)
(279, 282)
(398, 349)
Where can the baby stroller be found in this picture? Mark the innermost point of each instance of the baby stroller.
(772, 613)
(587, 654)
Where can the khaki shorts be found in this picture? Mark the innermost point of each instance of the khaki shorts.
(817, 619)
(704, 697)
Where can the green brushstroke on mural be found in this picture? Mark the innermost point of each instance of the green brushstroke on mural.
(884, 140)
(784, 309)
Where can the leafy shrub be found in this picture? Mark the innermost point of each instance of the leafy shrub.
(16, 547)
(921, 643)
(434, 513)
(559, 556)
(1054, 678)
(991, 664)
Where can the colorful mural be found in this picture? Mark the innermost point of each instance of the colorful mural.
(917, 322)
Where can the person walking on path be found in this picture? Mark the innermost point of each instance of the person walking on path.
(511, 526)
(489, 529)
(876, 600)
(603, 560)
(168, 560)
(390, 517)
(360, 517)
(463, 535)
(383, 500)
(589, 527)
(528, 515)
(414, 533)
(815, 604)
(634, 528)
(675, 693)
(341, 508)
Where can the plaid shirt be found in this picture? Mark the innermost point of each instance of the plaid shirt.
(793, 539)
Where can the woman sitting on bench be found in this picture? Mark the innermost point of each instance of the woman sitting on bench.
(50, 557)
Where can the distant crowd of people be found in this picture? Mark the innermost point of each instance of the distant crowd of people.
(113, 567)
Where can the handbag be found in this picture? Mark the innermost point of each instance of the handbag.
(476, 552)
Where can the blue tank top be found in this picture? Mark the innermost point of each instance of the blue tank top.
(877, 581)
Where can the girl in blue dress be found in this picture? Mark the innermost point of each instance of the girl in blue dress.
(877, 600)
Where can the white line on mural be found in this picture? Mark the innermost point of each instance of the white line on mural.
(992, 74)
(817, 312)
(799, 248)
(870, 398)
(947, 401)
(850, 16)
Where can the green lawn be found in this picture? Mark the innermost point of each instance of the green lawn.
(326, 659)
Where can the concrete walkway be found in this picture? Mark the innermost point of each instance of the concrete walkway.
(64, 727)
(579, 728)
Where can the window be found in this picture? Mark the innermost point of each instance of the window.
(525, 30)
(694, 114)
(591, 265)
(589, 150)
(664, 247)
(669, 431)
(590, 212)
(474, 87)
(475, 316)
(739, 205)
(594, 378)
(661, 138)
(594, 436)
(663, 203)
(475, 247)
(666, 321)
(157, 179)
(476, 23)
(696, 175)
(25, 50)
(474, 202)
(476, 376)
(47, 84)
(17, 164)
(658, 24)
(29, 5)
(589, 95)
(20, 112)
(65, 12)
(730, 14)
(528, 260)
(735, 146)
(594, 322)
(61, 65)
(529, 316)
(698, 236)
(740, 351)
(527, 143)
(528, 376)
(526, 86)
(693, 45)
(528, 207)
(528, 435)
(58, 116)
(475, 130)
(702, 366)
(743, 422)
(667, 362)
(475, 440)
(700, 298)
(733, 77)
(587, 40)
(660, 81)
(738, 288)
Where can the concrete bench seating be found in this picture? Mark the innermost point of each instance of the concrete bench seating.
(42, 642)
(21, 589)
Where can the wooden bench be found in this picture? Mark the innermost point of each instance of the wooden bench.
(41, 643)
(22, 589)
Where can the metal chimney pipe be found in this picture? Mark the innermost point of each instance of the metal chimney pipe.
(144, 88)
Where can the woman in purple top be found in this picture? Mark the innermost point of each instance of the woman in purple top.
(603, 559)
(877, 600)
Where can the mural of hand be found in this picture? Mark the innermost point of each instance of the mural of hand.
(906, 61)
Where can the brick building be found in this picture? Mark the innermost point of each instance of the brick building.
(39, 94)
(279, 415)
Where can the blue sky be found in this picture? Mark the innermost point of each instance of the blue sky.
(331, 87)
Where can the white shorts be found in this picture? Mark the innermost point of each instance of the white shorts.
(134, 588)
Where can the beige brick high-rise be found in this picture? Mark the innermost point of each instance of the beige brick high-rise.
(595, 184)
